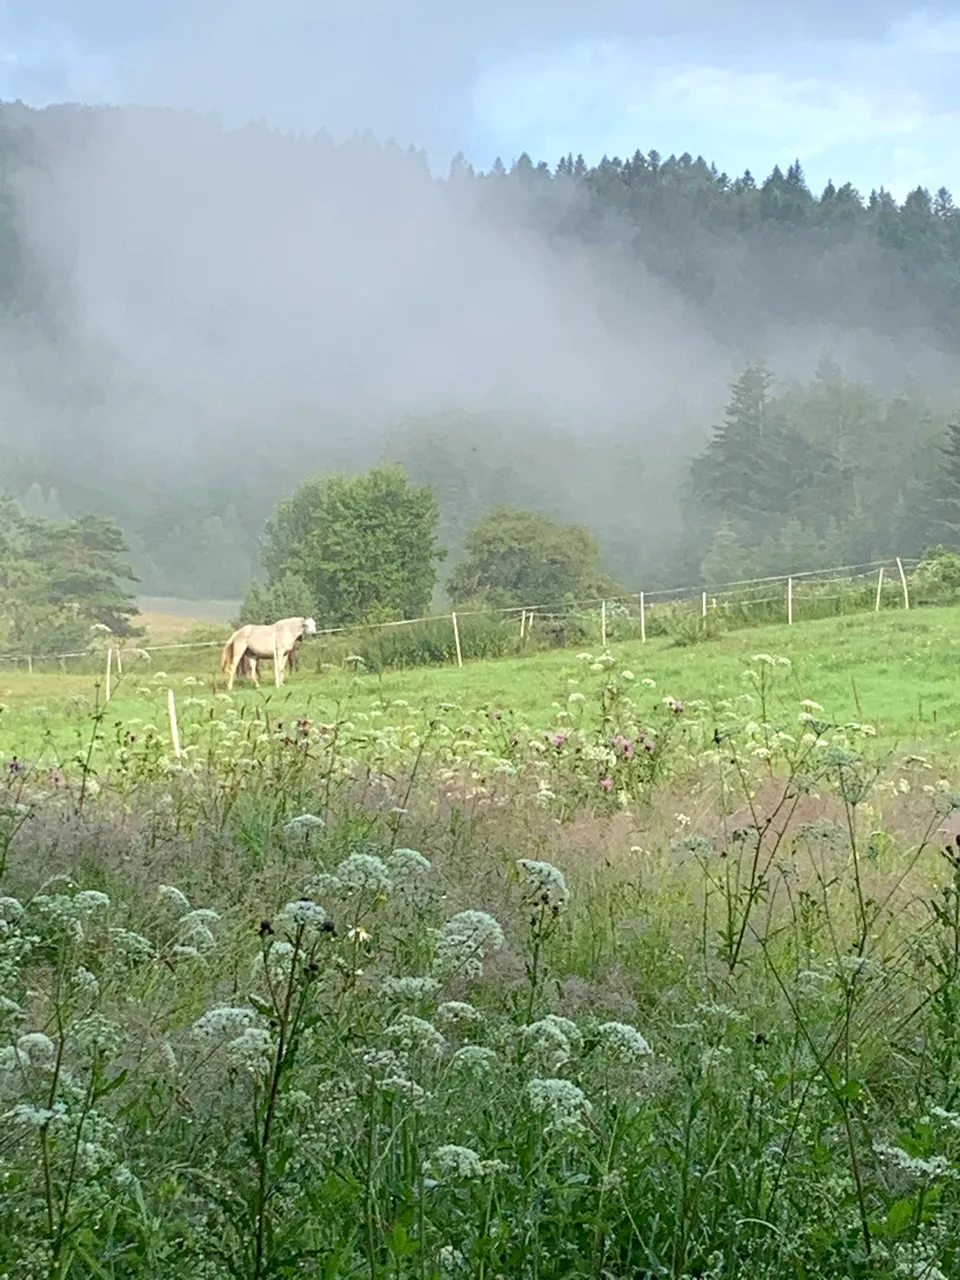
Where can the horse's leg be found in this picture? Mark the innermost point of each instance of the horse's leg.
(236, 659)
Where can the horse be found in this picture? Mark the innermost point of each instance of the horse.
(248, 663)
(251, 644)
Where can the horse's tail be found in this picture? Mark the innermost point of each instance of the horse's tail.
(226, 658)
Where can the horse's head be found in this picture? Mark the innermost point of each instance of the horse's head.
(309, 627)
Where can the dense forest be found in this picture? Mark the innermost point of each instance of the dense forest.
(718, 375)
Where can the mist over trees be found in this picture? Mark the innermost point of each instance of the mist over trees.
(193, 319)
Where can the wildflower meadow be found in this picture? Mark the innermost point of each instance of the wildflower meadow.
(652, 982)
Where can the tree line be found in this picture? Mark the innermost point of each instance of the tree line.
(792, 479)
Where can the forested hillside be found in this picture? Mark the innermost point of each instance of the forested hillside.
(194, 318)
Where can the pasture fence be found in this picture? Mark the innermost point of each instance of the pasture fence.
(684, 615)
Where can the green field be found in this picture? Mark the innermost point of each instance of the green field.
(560, 968)
(898, 671)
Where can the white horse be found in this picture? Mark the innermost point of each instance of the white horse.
(251, 644)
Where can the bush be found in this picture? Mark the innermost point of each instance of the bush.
(425, 643)
(936, 579)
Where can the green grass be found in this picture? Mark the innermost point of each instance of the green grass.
(898, 671)
(374, 1000)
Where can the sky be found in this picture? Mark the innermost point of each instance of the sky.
(860, 91)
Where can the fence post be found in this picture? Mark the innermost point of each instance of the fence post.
(876, 608)
(703, 608)
(789, 602)
(109, 667)
(119, 662)
(523, 624)
(30, 664)
(903, 579)
(174, 730)
(456, 639)
(603, 624)
(643, 621)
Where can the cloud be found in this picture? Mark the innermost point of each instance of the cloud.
(879, 111)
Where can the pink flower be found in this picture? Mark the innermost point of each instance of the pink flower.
(606, 783)
(559, 739)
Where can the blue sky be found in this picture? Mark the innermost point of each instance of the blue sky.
(862, 91)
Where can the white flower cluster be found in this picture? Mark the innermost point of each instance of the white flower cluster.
(464, 942)
(36, 1049)
(409, 988)
(547, 883)
(450, 1259)
(304, 913)
(406, 864)
(89, 901)
(223, 1021)
(458, 1012)
(11, 910)
(917, 1166)
(360, 873)
(364, 873)
(409, 1090)
(302, 828)
(131, 946)
(275, 961)
(552, 1039)
(178, 900)
(474, 1058)
(454, 1161)
(85, 981)
(33, 1117)
(252, 1051)
(193, 930)
(411, 1034)
(97, 1035)
(560, 1102)
(623, 1042)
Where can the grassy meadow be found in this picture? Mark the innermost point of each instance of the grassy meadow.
(900, 671)
(644, 964)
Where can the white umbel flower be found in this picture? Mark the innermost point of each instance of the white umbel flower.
(545, 882)
(561, 1103)
(623, 1042)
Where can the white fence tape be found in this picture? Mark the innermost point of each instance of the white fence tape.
(543, 612)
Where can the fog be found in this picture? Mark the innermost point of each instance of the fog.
(258, 266)
(242, 307)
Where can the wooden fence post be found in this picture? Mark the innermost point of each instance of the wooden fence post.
(456, 639)
(789, 602)
(643, 621)
(174, 730)
(903, 579)
(876, 607)
(523, 624)
(703, 608)
(109, 668)
(603, 625)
